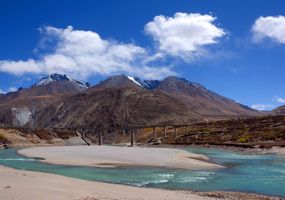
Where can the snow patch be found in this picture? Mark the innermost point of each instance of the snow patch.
(146, 84)
(60, 77)
(133, 79)
(44, 81)
(150, 84)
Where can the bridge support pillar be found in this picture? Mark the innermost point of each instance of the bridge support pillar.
(132, 138)
(175, 132)
(164, 131)
(100, 139)
(154, 132)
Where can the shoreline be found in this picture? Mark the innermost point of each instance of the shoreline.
(31, 185)
(229, 195)
(275, 150)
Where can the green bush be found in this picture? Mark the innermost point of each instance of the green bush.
(3, 138)
(243, 140)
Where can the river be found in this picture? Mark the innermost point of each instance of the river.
(263, 174)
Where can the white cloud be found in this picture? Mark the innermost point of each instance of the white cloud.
(20, 67)
(276, 101)
(269, 27)
(184, 35)
(12, 89)
(279, 99)
(262, 107)
(83, 53)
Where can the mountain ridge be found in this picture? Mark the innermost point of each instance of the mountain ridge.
(171, 93)
(18, 107)
(59, 77)
(193, 94)
(279, 110)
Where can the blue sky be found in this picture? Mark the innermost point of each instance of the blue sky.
(235, 48)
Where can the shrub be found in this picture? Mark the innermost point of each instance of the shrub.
(242, 140)
(3, 138)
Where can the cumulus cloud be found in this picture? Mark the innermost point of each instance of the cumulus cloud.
(83, 53)
(262, 107)
(276, 101)
(271, 27)
(279, 99)
(20, 67)
(10, 89)
(184, 35)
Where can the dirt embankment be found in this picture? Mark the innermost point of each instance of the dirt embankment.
(264, 132)
(26, 137)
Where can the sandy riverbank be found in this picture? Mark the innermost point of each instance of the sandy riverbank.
(275, 150)
(110, 156)
(26, 185)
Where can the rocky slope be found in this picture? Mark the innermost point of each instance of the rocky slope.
(113, 108)
(60, 101)
(122, 101)
(120, 81)
(17, 108)
(197, 98)
(279, 111)
(205, 102)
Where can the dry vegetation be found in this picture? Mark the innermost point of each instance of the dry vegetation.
(263, 131)
(3, 139)
(269, 130)
(259, 131)
(28, 137)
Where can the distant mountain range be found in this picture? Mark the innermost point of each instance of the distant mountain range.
(279, 111)
(61, 101)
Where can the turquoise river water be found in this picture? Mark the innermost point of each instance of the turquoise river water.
(263, 174)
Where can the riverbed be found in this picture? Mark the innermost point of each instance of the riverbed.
(244, 172)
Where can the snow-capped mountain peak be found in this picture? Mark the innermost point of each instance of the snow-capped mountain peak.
(60, 77)
(51, 78)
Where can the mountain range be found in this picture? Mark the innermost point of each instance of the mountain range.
(18, 107)
(279, 110)
(61, 101)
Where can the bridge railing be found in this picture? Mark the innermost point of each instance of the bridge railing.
(132, 130)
